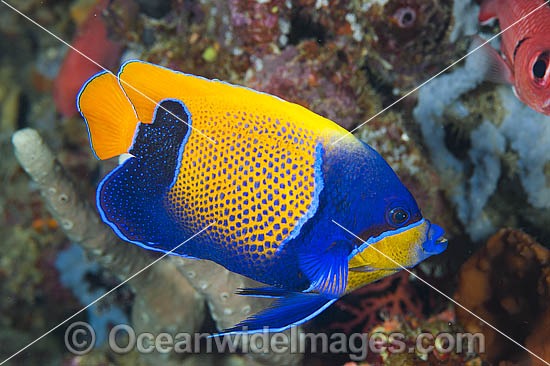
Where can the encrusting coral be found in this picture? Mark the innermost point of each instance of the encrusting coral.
(507, 283)
(171, 293)
(387, 353)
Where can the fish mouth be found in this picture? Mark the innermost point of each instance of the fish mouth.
(436, 242)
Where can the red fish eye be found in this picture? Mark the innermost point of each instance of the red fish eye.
(398, 216)
(540, 66)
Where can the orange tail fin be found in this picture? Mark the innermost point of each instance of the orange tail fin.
(110, 116)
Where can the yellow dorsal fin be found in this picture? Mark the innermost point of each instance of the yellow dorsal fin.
(147, 84)
(110, 117)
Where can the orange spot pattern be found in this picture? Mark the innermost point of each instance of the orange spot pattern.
(255, 203)
(257, 183)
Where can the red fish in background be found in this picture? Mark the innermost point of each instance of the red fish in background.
(525, 48)
(91, 39)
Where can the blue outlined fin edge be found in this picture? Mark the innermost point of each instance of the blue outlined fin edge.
(286, 312)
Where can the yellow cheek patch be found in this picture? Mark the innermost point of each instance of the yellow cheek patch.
(359, 279)
(388, 255)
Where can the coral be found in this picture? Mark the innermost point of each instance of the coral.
(537, 341)
(465, 21)
(178, 304)
(453, 118)
(25, 280)
(155, 8)
(528, 140)
(410, 327)
(74, 268)
(301, 75)
(396, 53)
(507, 284)
(256, 24)
(10, 101)
(30, 241)
(13, 340)
(409, 40)
(391, 296)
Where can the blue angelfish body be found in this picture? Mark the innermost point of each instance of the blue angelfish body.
(257, 184)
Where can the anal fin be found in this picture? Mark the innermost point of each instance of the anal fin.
(274, 292)
(286, 312)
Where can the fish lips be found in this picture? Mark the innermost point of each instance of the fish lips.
(436, 243)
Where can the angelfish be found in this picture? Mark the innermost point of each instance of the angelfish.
(267, 178)
(525, 46)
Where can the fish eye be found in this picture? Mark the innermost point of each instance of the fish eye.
(398, 216)
(540, 66)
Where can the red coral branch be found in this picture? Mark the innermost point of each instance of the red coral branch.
(394, 295)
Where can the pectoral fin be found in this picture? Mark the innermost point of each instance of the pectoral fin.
(491, 63)
(327, 270)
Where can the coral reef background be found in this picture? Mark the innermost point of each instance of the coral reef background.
(476, 159)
